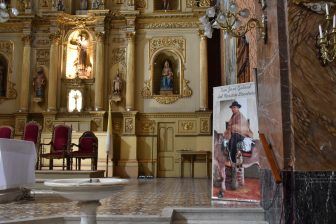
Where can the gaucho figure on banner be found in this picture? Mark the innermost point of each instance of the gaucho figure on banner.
(235, 132)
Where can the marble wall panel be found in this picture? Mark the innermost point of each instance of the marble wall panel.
(313, 93)
(272, 61)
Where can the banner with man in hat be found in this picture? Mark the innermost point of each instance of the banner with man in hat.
(235, 129)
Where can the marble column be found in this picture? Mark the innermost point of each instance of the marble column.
(25, 74)
(53, 68)
(99, 74)
(130, 78)
(203, 72)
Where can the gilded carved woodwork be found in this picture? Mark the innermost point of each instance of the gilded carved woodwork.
(27, 39)
(7, 50)
(129, 125)
(176, 43)
(141, 4)
(187, 126)
(168, 99)
(200, 3)
(42, 57)
(168, 25)
(11, 27)
(176, 47)
(119, 56)
(204, 126)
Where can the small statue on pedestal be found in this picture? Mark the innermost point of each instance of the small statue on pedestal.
(39, 83)
(117, 88)
(83, 5)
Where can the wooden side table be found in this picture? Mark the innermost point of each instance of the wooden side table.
(192, 154)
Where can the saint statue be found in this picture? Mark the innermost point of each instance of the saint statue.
(2, 80)
(60, 5)
(165, 5)
(39, 83)
(82, 63)
(167, 77)
(83, 5)
(117, 85)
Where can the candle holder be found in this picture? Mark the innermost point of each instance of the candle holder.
(232, 20)
(326, 41)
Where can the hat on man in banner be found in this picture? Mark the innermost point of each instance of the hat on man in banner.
(235, 104)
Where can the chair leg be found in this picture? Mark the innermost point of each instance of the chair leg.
(51, 164)
(79, 163)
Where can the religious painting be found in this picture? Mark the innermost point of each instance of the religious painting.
(166, 5)
(235, 134)
(166, 74)
(3, 75)
(79, 55)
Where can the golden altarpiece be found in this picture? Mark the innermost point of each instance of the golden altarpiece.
(62, 61)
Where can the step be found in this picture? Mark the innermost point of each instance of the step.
(218, 222)
(218, 214)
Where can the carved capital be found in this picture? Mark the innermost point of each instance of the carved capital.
(27, 39)
(130, 35)
(55, 38)
(201, 34)
(100, 36)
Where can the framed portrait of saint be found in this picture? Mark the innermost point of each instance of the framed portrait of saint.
(235, 134)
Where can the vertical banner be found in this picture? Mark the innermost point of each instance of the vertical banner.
(235, 131)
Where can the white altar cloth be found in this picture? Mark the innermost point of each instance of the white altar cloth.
(17, 163)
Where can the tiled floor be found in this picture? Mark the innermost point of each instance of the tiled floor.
(142, 197)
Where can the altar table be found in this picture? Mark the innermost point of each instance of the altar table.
(17, 163)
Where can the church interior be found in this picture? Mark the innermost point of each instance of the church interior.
(125, 90)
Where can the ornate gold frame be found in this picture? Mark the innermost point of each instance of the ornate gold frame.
(7, 50)
(173, 45)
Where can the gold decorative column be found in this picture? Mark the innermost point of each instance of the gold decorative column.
(99, 74)
(203, 72)
(130, 78)
(53, 68)
(25, 73)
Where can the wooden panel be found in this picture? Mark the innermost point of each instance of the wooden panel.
(166, 163)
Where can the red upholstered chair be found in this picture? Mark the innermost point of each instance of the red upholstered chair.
(59, 146)
(6, 132)
(32, 132)
(87, 149)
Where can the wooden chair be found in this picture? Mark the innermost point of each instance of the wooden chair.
(59, 146)
(87, 149)
(32, 132)
(6, 132)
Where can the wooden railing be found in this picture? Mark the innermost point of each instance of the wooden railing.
(271, 159)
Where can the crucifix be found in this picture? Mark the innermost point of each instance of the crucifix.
(76, 96)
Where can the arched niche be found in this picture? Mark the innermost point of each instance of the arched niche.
(79, 54)
(166, 84)
(6, 62)
(3, 75)
(166, 73)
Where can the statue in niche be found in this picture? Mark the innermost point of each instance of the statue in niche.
(2, 80)
(117, 88)
(82, 63)
(83, 5)
(60, 5)
(39, 83)
(167, 77)
(165, 5)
